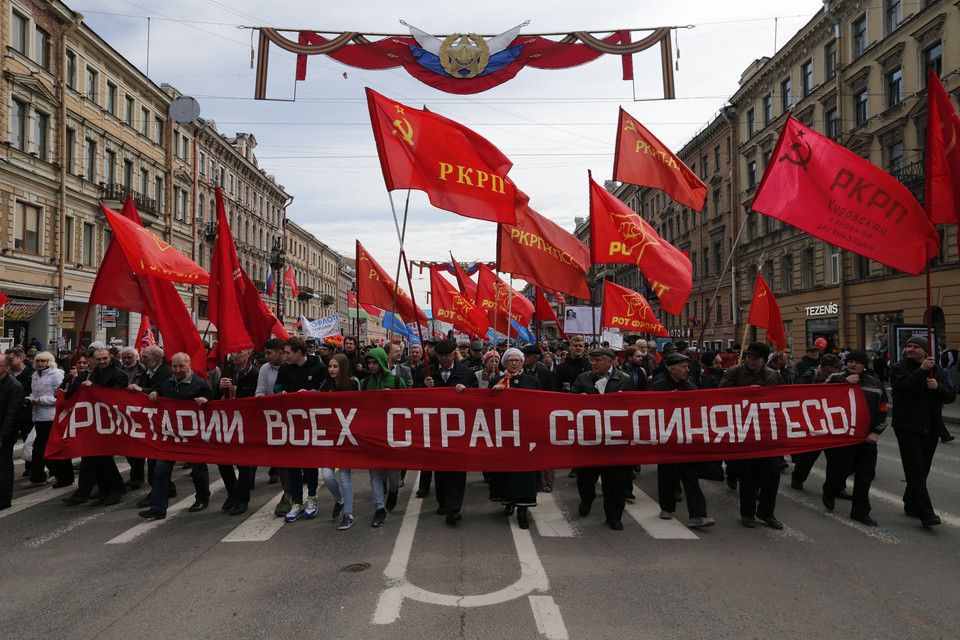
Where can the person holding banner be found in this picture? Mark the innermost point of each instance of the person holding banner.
(379, 378)
(688, 473)
(753, 372)
(603, 378)
(182, 385)
(11, 400)
(490, 370)
(238, 379)
(515, 489)
(920, 389)
(339, 379)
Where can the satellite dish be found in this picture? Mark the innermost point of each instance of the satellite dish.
(184, 110)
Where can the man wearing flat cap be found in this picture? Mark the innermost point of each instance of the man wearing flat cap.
(474, 360)
(753, 372)
(603, 378)
(447, 372)
(533, 367)
(920, 389)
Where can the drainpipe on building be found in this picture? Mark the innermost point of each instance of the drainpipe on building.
(62, 152)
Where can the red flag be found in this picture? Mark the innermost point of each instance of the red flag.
(3, 299)
(545, 312)
(450, 305)
(942, 192)
(832, 193)
(619, 235)
(542, 252)
(116, 285)
(148, 254)
(628, 310)
(375, 287)
(458, 169)
(291, 279)
(352, 303)
(223, 306)
(642, 159)
(765, 313)
(467, 286)
(491, 290)
(144, 335)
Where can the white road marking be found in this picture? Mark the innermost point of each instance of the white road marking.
(550, 520)
(548, 618)
(135, 532)
(532, 575)
(259, 527)
(646, 511)
(38, 496)
(939, 462)
(881, 534)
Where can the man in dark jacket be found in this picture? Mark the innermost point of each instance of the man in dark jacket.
(573, 365)
(920, 389)
(810, 360)
(451, 485)
(533, 367)
(11, 399)
(857, 459)
(753, 372)
(22, 370)
(101, 470)
(604, 378)
(182, 385)
(238, 379)
(155, 370)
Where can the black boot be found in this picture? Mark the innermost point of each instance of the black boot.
(522, 518)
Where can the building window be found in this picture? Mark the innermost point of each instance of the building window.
(129, 108)
(719, 310)
(767, 109)
(71, 72)
(858, 32)
(832, 128)
(809, 269)
(92, 84)
(158, 192)
(933, 57)
(716, 203)
(110, 167)
(200, 204)
(177, 208)
(71, 150)
(752, 173)
(157, 129)
(785, 98)
(862, 266)
(892, 14)
(18, 33)
(806, 78)
(894, 157)
(716, 158)
(89, 248)
(111, 99)
(830, 60)
(41, 128)
(41, 48)
(18, 125)
(69, 239)
(834, 265)
(128, 174)
(786, 273)
(894, 88)
(144, 182)
(860, 107)
(26, 228)
(706, 263)
(90, 161)
(145, 122)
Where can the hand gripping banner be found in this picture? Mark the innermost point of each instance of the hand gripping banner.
(476, 430)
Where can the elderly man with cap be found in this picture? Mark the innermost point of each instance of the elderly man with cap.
(447, 372)
(603, 378)
(753, 372)
(474, 360)
(857, 459)
(533, 367)
(668, 475)
(806, 364)
(920, 390)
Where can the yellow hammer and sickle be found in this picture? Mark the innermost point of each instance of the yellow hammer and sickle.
(629, 126)
(404, 134)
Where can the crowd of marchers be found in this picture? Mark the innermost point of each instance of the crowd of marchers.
(31, 381)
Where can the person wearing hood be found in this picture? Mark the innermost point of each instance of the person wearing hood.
(447, 372)
(712, 370)
(380, 378)
(920, 389)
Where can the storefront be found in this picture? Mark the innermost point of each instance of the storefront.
(823, 321)
(875, 328)
(25, 319)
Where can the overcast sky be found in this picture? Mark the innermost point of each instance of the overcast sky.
(554, 125)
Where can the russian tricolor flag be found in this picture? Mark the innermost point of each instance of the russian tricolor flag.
(271, 283)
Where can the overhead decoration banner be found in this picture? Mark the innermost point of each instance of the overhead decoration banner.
(477, 430)
(464, 63)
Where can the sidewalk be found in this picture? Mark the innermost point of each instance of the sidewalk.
(951, 412)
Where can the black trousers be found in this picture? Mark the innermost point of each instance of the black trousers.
(238, 481)
(101, 471)
(916, 456)
(859, 460)
(426, 477)
(613, 482)
(761, 474)
(451, 487)
(688, 474)
(802, 464)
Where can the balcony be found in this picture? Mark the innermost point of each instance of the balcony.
(209, 230)
(115, 195)
(306, 293)
(910, 175)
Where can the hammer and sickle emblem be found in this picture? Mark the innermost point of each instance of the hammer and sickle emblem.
(802, 159)
(404, 134)
(629, 126)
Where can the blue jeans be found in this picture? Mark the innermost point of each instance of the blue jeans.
(295, 483)
(376, 484)
(161, 483)
(6, 474)
(342, 492)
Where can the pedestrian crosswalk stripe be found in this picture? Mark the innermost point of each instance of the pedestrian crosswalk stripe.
(258, 527)
(646, 511)
(38, 496)
(551, 522)
(135, 532)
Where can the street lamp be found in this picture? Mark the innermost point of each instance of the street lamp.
(277, 259)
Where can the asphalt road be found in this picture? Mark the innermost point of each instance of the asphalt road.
(100, 572)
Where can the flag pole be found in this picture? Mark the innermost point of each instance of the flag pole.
(510, 314)
(933, 348)
(413, 299)
(602, 291)
(716, 293)
(401, 234)
(746, 325)
(537, 292)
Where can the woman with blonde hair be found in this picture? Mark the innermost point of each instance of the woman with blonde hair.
(342, 492)
(43, 396)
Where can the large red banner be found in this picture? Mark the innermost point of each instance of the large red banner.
(477, 430)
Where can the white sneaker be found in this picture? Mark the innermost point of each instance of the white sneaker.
(310, 510)
(295, 513)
